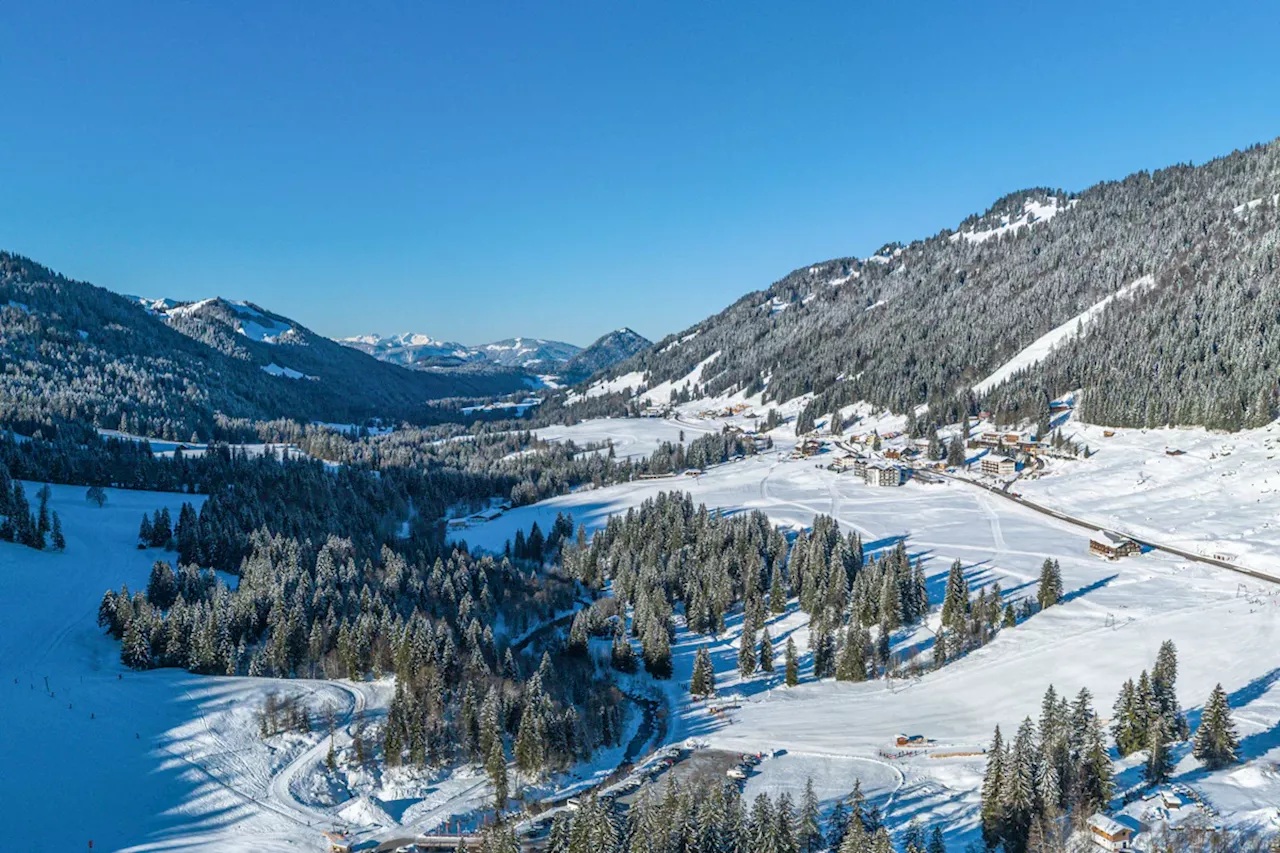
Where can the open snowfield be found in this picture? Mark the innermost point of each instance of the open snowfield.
(159, 760)
(1221, 496)
(171, 761)
(1116, 615)
(631, 437)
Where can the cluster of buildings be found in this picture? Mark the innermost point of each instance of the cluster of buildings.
(872, 471)
(1009, 442)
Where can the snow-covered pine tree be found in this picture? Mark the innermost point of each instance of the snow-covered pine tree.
(1050, 589)
(1159, 761)
(792, 664)
(955, 601)
(993, 808)
(1216, 743)
(809, 825)
(766, 651)
(703, 681)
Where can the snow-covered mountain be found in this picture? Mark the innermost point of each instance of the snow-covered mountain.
(411, 349)
(418, 350)
(607, 351)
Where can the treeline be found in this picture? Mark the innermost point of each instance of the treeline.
(302, 611)
(713, 818)
(1049, 778)
(19, 523)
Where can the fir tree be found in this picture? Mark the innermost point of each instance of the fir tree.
(1159, 762)
(1050, 590)
(766, 651)
(496, 767)
(809, 830)
(59, 541)
(955, 601)
(1216, 743)
(792, 664)
(747, 651)
(993, 807)
(703, 682)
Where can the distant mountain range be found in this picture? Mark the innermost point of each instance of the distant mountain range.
(533, 355)
(161, 367)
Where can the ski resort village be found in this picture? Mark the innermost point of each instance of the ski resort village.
(471, 473)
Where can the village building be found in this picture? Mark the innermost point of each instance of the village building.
(1109, 834)
(1112, 546)
(844, 463)
(882, 474)
(999, 466)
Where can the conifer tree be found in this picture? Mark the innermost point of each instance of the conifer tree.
(766, 651)
(792, 664)
(955, 601)
(809, 829)
(496, 767)
(1159, 762)
(59, 540)
(1164, 681)
(993, 808)
(747, 651)
(1050, 590)
(1216, 743)
(703, 682)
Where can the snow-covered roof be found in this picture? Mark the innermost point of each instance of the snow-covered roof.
(1108, 826)
(1110, 539)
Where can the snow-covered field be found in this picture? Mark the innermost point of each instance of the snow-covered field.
(91, 751)
(1219, 496)
(631, 437)
(1115, 617)
(169, 761)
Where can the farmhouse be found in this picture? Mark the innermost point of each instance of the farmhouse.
(1109, 834)
(999, 466)
(1112, 546)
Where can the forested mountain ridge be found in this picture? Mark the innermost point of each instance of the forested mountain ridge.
(925, 322)
(78, 352)
(604, 352)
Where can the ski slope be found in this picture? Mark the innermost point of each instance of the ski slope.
(1039, 349)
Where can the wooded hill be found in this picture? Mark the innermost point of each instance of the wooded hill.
(73, 351)
(925, 322)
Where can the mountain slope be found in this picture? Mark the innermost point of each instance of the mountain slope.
(72, 350)
(924, 323)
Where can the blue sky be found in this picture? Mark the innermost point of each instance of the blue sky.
(477, 170)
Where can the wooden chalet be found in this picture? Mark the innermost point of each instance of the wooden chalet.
(1109, 834)
(1112, 546)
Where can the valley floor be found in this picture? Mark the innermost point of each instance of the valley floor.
(164, 760)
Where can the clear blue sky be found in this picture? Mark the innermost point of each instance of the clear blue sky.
(477, 170)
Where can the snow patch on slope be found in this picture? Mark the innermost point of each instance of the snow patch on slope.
(286, 372)
(1033, 213)
(1036, 352)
